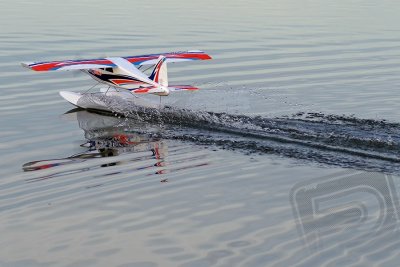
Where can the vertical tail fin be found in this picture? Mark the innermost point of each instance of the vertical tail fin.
(159, 74)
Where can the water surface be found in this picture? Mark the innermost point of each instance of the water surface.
(287, 156)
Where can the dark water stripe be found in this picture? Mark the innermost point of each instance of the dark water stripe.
(330, 139)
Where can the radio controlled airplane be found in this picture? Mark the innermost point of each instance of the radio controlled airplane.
(123, 75)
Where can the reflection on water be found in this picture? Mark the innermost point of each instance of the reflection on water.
(346, 141)
(110, 137)
(370, 145)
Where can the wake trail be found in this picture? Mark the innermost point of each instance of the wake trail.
(329, 139)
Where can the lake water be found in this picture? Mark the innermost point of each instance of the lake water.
(288, 155)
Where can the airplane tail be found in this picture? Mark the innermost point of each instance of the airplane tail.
(159, 74)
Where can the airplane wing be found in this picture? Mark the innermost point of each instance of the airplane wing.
(98, 63)
(69, 65)
(170, 57)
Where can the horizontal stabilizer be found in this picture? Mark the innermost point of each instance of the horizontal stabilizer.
(148, 90)
(176, 88)
(163, 90)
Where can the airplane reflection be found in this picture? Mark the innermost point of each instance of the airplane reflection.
(107, 137)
